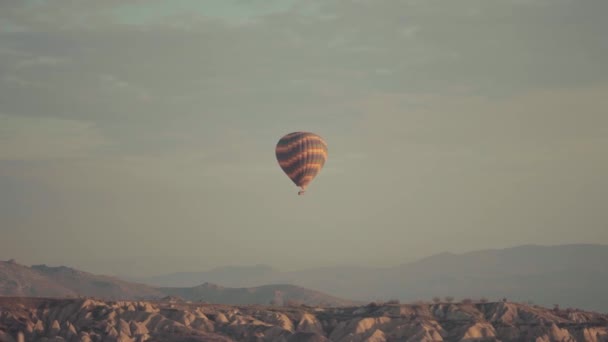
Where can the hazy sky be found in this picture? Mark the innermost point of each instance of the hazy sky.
(138, 136)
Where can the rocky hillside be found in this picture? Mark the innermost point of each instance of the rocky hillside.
(61, 282)
(42, 319)
(46, 281)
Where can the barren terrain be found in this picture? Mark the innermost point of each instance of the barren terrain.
(85, 319)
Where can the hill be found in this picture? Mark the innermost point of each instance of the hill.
(61, 282)
(569, 275)
(94, 320)
(279, 294)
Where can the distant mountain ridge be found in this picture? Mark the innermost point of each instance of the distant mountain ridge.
(60, 282)
(569, 275)
(220, 275)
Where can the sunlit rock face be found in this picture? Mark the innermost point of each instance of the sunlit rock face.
(42, 319)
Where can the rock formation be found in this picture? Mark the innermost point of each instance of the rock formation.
(41, 319)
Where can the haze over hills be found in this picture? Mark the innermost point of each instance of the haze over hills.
(227, 275)
(265, 294)
(570, 275)
(59, 282)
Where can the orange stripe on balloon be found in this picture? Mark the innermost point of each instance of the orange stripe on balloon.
(315, 151)
(313, 166)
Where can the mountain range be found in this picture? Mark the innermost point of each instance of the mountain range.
(18, 280)
(572, 275)
(567, 275)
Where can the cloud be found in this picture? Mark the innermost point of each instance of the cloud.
(27, 139)
(40, 61)
(417, 46)
(153, 89)
(541, 127)
(67, 15)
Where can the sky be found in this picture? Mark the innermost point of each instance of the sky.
(137, 137)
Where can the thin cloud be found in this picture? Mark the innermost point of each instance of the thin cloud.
(29, 139)
(43, 61)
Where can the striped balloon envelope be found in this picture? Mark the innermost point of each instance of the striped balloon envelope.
(301, 155)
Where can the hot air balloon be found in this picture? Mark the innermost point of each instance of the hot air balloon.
(301, 155)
